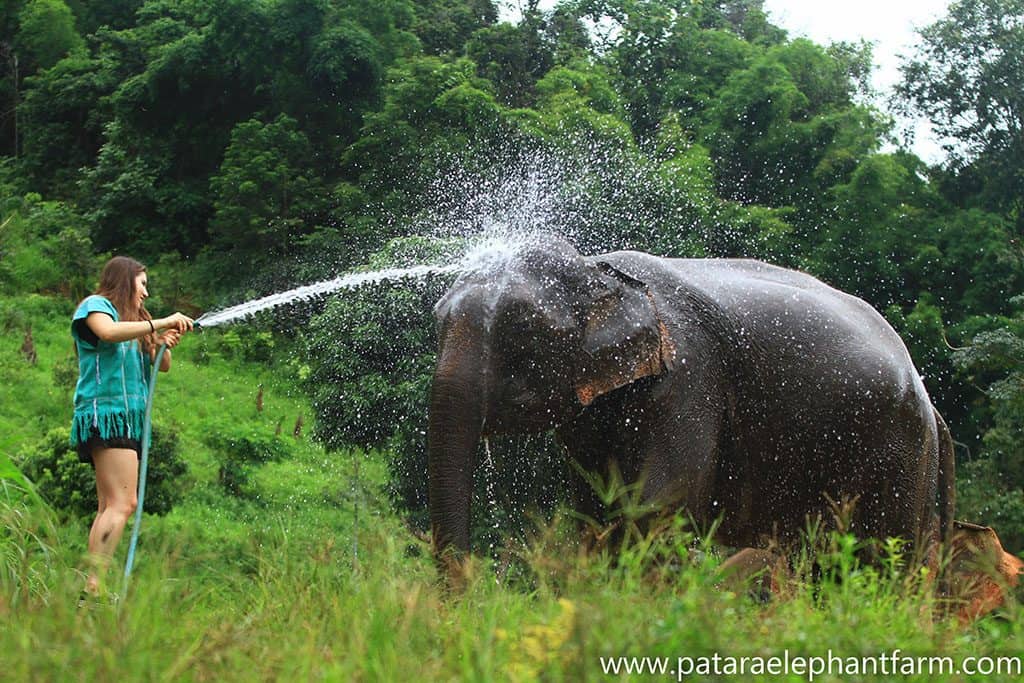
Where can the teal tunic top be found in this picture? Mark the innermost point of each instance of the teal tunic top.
(110, 398)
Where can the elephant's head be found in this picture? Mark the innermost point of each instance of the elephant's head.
(525, 345)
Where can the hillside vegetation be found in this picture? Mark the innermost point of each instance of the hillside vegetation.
(240, 148)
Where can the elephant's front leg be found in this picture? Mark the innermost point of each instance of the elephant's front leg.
(604, 464)
(643, 453)
(588, 483)
(681, 457)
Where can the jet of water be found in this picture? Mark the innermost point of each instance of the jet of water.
(350, 281)
(491, 251)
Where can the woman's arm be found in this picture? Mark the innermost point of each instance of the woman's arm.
(104, 327)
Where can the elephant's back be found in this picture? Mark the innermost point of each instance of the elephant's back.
(782, 312)
(842, 381)
(819, 394)
(754, 291)
(767, 299)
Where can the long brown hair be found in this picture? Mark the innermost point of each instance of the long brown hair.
(117, 283)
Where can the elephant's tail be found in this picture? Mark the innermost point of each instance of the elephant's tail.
(947, 479)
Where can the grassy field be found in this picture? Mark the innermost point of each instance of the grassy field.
(310, 575)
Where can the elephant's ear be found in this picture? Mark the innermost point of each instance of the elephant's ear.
(624, 338)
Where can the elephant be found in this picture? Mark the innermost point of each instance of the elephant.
(977, 581)
(740, 392)
(982, 572)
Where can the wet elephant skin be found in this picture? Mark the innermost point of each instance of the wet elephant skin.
(730, 388)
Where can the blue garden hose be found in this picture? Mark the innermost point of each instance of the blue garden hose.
(147, 431)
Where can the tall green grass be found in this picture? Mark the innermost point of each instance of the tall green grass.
(303, 606)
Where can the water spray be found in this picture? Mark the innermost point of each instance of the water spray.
(488, 251)
(307, 292)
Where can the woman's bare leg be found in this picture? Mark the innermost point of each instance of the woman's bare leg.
(92, 584)
(117, 479)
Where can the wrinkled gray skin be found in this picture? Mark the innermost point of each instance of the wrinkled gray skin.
(730, 388)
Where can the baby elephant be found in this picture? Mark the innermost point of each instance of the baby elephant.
(981, 572)
(760, 571)
(980, 575)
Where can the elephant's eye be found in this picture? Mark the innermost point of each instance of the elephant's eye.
(517, 391)
(523, 397)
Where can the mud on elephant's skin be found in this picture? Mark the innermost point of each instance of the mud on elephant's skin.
(730, 388)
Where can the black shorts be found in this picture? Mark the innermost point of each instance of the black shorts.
(95, 441)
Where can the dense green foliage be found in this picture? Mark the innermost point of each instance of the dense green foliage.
(967, 78)
(70, 485)
(238, 147)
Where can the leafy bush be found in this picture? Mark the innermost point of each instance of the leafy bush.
(70, 485)
(65, 373)
(166, 472)
(257, 346)
(241, 449)
(370, 358)
(991, 486)
(64, 482)
(986, 496)
(239, 342)
(17, 313)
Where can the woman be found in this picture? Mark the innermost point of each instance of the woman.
(117, 340)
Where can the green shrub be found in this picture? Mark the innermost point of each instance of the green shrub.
(12, 318)
(239, 450)
(201, 348)
(18, 313)
(70, 485)
(258, 347)
(240, 341)
(60, 478)
(166, 476)
(230, 345)
(65, 373)
(370, 358)
(985, 496)
(991, 485)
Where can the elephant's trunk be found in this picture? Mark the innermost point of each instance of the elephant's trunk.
(456, 420)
